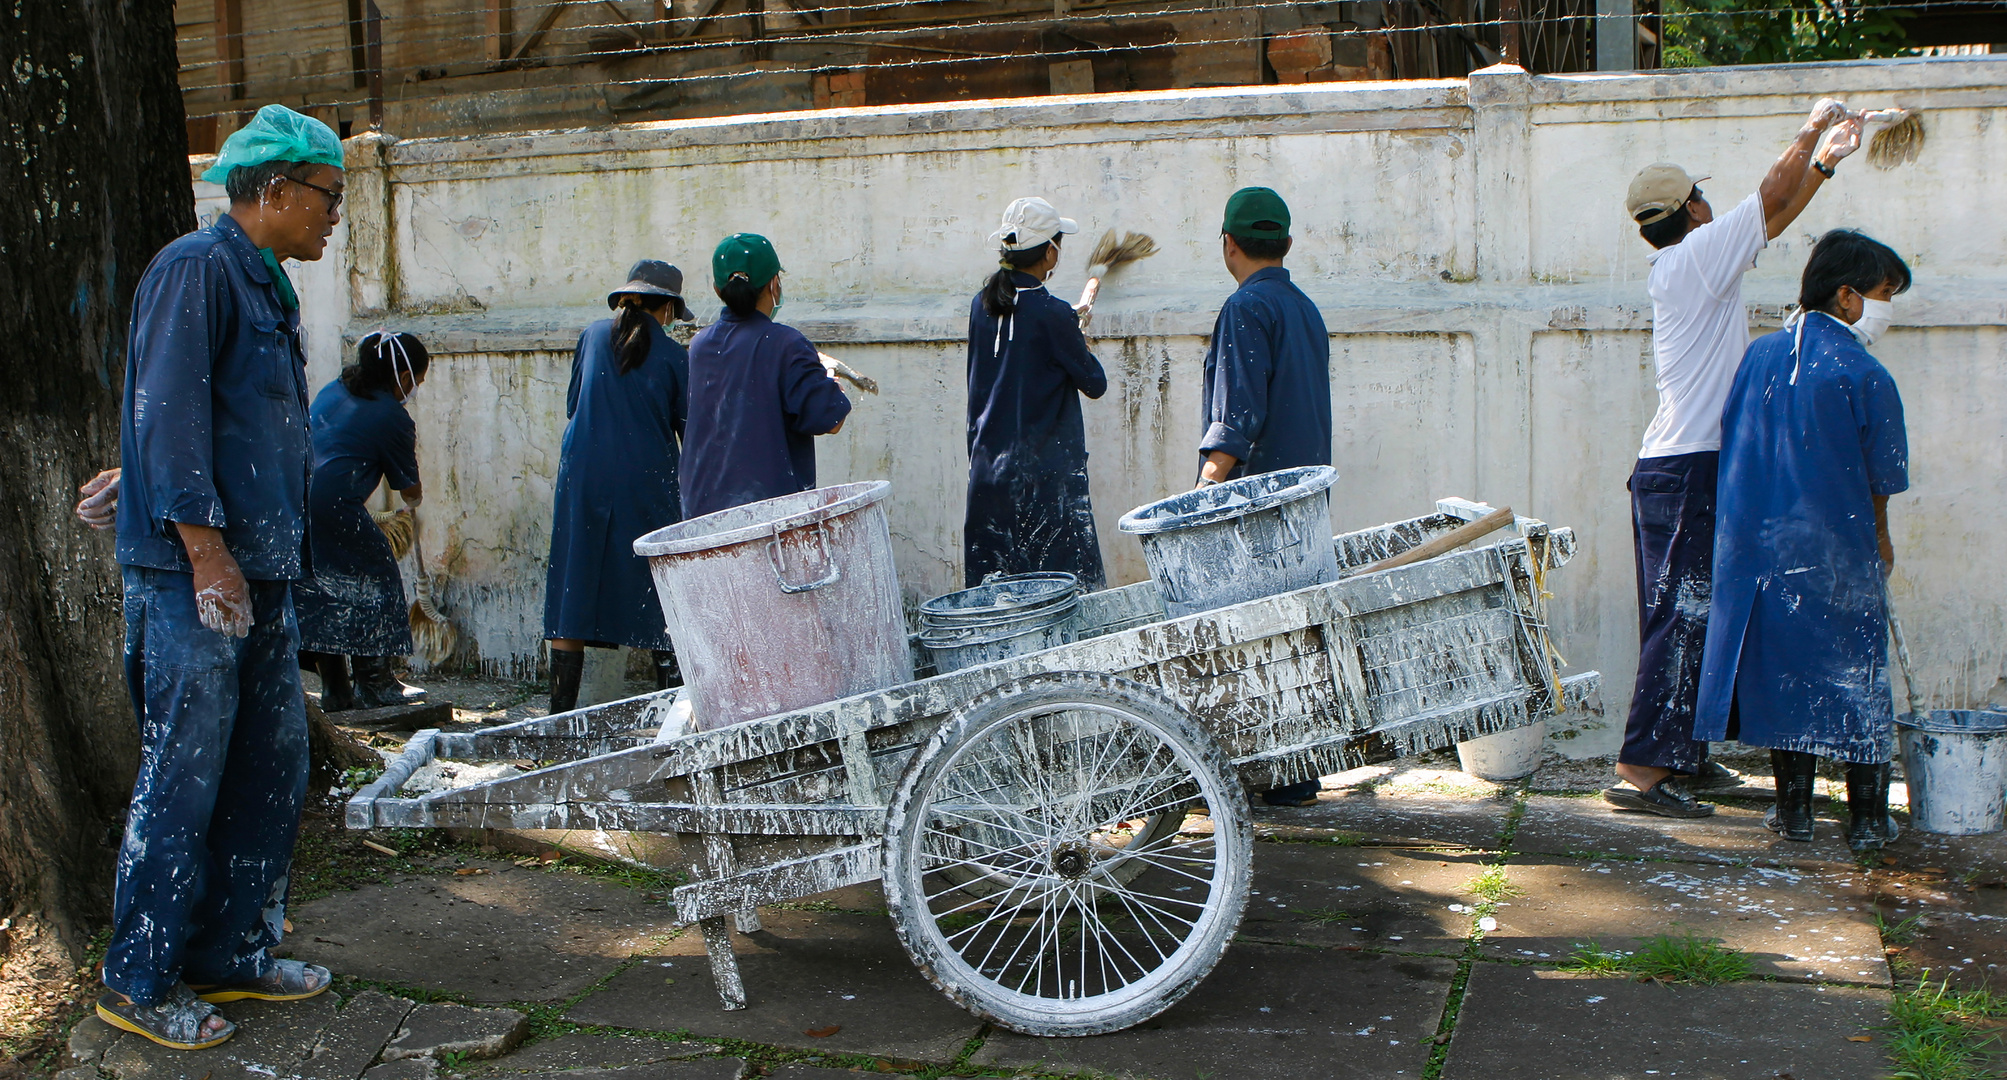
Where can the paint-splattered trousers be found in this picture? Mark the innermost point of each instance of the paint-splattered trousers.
(203, 869)
(1672, 523)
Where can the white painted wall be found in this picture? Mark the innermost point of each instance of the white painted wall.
(1466, 241)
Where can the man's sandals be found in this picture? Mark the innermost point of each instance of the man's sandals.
(289, 980)
(178, 1021)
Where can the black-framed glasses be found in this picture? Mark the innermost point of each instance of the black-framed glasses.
(334, 197)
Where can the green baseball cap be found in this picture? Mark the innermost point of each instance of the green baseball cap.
(1257, 212)
(744, 253)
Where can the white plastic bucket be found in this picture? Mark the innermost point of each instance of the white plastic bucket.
(1955, 762)
(1239, 541)
(782, 604)
(1508, 755)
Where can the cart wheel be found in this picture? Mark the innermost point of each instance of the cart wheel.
(1041, 789)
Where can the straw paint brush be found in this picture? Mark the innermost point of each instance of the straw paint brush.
(1110, 253)
(1899, 142)
(839, 370)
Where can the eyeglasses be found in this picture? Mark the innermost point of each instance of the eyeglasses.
(334, 197)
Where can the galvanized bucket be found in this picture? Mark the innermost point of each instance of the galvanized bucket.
(999, 619)
(1239, 541)
(1955, 761)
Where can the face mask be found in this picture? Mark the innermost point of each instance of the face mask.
(779, 299)
(1876, 315)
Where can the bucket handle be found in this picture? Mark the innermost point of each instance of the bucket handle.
(1288, 528)
(780, 564)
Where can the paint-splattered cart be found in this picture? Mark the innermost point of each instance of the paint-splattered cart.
(1063, 838)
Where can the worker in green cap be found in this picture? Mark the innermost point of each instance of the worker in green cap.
(212, 526)
(1267, 394)
(758, 393)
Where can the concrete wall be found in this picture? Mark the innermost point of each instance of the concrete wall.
(1465, 239)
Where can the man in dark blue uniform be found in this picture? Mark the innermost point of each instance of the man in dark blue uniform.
(1267, 402)
(758, 392)
(212, 522)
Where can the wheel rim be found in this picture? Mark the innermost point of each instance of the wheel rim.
(1089, 903)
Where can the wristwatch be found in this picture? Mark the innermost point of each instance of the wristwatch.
(1823, 168)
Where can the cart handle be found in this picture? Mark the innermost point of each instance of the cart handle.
(780, 563)
(418, 752)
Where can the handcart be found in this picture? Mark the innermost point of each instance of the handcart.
(1063, 837)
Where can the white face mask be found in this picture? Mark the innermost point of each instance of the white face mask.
(1876, 315)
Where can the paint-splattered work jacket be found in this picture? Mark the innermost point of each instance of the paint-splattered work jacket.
(1268, 378)
(758, 399)
(1796, 634)
(215, 427)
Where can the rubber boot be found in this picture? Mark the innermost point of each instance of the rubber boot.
(1792, 817)
(377, 686)
(667, 673)
(337, 695)
(1869, 824)
(567, 668)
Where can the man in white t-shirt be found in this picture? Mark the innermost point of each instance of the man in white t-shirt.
(1699, 331)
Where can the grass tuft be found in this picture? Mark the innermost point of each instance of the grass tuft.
(1492, 886)
(1688, 959)
(1933, 1032)
(1899, 933)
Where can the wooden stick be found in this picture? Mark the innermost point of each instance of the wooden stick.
(1449, 541)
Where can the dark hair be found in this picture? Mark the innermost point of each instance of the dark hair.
(247, 183)
(1670, 229)
(740, 295)
(1261, 247)
(1000, 292)
(377, 363)
(630, 329)
(1850, 258)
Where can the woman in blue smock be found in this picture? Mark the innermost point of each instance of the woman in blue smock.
(1028, 508)
(617, 480)
(352, 611)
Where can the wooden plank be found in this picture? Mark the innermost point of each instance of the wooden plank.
(230, 46)
(501, 29)
(853, 865)
(417, 753)
(537, 33)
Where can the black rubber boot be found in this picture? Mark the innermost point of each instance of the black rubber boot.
(336, 693)
(377, 685)
(667, 673)
(566, 670)
(1869, 824)
(1792, 817)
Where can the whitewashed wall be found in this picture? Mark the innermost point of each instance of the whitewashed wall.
(1466, 241)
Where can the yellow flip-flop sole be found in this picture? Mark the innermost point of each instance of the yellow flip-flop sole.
(123, 1024)
(220, 994)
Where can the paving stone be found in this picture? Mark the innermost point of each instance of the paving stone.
(1974, 860)
(404, 1069)
(1734, 834)
(350, 1044)
(512, 934)
(581, 1051)
(716, 1068)
(1527, 1023)
(273, 1038)
(79, 1072)
(1402, 819)
(435, 1030)
(90, 1039)
(813, 1072)
(1388, 898)
(806, 971)
(1266, 1012)
(1960, 936)
(1794, 924)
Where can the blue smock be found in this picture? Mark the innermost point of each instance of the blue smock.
(758, 399)
(616, 483)
(1028, 508)
(354, 604)
(215, 425)
(1797, 632)
(1268, 378)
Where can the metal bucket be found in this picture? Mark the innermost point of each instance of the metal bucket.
(1507, 755)
(1955, 761)
(999, 619)
(782, 604)
(1239, 541)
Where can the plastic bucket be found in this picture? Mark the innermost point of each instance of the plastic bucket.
(1508, 755)
(1239, 541)
(1006, 617)
(782, 604)
(1955, 761)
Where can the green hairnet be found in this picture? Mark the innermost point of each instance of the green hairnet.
(276, 134)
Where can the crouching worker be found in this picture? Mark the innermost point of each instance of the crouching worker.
(211, 534)
(1812, 446)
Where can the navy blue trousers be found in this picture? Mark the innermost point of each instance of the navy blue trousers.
(203, 869)
(1672, 523)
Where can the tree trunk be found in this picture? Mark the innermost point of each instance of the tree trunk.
(93, 151)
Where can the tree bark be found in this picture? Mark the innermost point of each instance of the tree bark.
(93, 151)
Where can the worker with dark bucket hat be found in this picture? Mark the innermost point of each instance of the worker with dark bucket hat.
(1267, 394)
(1699, 331)
(759, 394)
(617, 480)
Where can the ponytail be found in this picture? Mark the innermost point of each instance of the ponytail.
(1000, 292)
(630, 332)
(379, 358)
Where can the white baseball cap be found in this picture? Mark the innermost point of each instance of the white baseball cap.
(1027, 223)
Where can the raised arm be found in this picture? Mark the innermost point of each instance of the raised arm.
(1790, 184)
